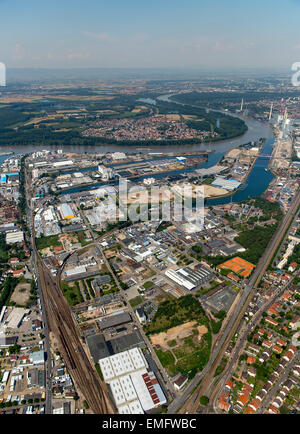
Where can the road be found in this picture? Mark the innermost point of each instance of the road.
(131, 310)
(240, 343)
(244, 332)
(274, 390)
(129, 307)
(190, 403)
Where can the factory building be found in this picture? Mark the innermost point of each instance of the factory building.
(14, 237)
(106, 172)
(228, 184)
(134, 389)
(66, 211)
(15, 317)
(189, 278)
(63, 163)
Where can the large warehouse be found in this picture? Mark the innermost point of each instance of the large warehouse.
(14, 237)
(228, 184)
(66, 211)
(134, 389)
(189, 278)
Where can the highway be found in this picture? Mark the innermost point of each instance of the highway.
(187, 403)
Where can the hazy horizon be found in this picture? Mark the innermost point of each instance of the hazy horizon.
(210, 35)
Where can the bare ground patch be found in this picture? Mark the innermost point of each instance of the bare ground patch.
(21, 294)
(180, 332)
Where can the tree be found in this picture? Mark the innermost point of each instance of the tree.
(14, 349)
(204, 400)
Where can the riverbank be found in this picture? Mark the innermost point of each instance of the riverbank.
(244, 179)
(257, 182)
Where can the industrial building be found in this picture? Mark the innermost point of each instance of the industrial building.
(63, 163)
(122, 364)
(15, 317)
(66, 211)
(36, 378)
(106, 172)
(7, 341)
(228, 184)
(14, 237)
(114, 320)
(101, 348)
(134, 389)
(99, 282)
(189, 278)
(37, 357)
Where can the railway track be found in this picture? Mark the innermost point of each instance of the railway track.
(61, 323)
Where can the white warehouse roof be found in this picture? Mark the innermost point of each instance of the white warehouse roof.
(122, 364)
(180, 280)
(228, 184)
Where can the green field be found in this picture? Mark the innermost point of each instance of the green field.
(167, 360)
(174, 312)
(148, 285)
(71, 293)
(136, 301)
(188, 355)
(44, 242)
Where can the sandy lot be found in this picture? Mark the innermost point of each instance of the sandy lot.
(201, 330)
(179, 332)
(21, 294)
(210, 191)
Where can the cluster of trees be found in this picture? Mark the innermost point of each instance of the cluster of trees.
(255, 241)
(4, 249)
(216, 325)
(171, 313)
(8, 287)
(219, 99)
(71, 293)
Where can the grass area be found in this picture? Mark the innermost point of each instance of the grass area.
(136, 301)
(172, 343)
(167, 360)
(97, 366)
(173, 312)
(72, 293)
(220, 368)
(188, 355)
(89, 283)
(148, 285)
(44, 242)
(193, 356)
(163, 225)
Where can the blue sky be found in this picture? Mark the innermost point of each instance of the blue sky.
(150, 33)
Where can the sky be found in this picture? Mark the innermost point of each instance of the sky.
(218, 34)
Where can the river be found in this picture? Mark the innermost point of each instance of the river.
(255, 185)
